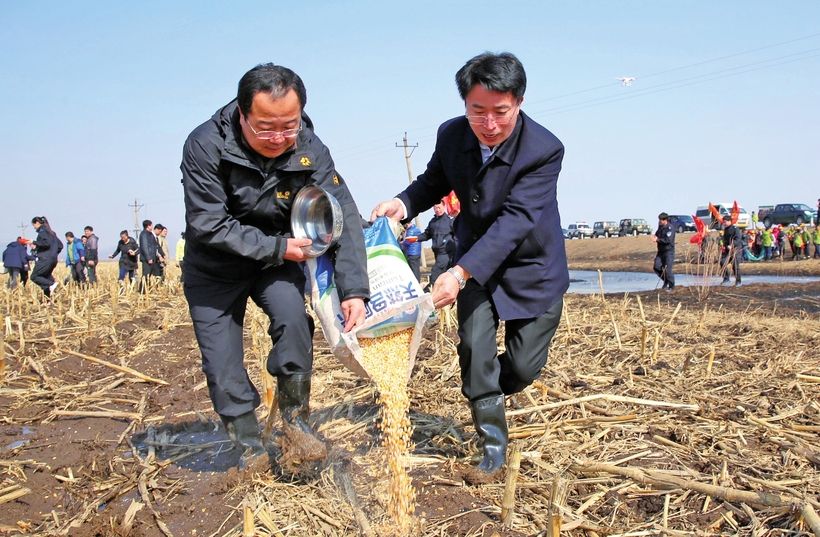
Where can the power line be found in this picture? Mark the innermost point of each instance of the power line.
(659, 88)
(634, 94)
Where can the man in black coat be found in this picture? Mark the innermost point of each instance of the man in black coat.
(149, 249)
(241, 171)
(440, 231)
(732, 249)
(92, 256)
(664, 237)
(128, 250)
(510, 261)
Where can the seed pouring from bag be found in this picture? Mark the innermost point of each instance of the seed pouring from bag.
(316, 215)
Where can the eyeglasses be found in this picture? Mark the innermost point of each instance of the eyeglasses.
(270, 135)
(499, 119)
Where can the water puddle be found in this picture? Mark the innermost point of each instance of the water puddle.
(18, 443)
(585, 282)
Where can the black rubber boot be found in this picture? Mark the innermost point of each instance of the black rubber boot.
(294, 398)
(491, 425)
(244, 431)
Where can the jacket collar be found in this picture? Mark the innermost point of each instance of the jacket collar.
(504, 152)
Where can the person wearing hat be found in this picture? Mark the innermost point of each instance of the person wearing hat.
(804, 229)
(241, 171)
(815, 237)
(797, 244)
(732, 246)
(664, 237)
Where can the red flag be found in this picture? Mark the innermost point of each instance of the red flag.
(451, 204)
(701, 232)
(716, 216)
(735, 213)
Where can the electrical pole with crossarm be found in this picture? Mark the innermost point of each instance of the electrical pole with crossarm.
(407, 154)
(137, 207)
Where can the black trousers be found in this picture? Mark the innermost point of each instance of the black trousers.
(485, 373)
(218, 310)
(415, 265)
(443, 260)
(727, 258)
(41, 275)
(663, 268)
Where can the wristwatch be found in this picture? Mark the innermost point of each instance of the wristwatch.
(461, 281)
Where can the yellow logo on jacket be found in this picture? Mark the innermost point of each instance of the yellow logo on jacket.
(304, 161)
(335, 179)
(283, 195)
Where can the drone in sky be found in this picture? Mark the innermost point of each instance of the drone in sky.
(626, 80)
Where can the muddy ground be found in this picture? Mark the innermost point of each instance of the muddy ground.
(131, 445)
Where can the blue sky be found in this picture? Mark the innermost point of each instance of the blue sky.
(99, 98)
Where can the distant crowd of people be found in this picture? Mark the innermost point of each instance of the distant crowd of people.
(82, 256)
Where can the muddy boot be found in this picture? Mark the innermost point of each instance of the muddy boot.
(491, 425)
(300, 444)
(244, 431)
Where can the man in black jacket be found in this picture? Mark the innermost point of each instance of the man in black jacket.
(732, 247)
(241, 171)
(665, 239)
(128, 250)
(92, 255)
(440, 231)
(148, 254)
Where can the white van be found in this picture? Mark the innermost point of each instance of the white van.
(744, 220)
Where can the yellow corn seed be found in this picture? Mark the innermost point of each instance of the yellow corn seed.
(387, 359)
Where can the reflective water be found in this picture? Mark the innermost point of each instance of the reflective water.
(586, 281)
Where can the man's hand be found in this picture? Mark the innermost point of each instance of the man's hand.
(445, 290)
(150, 261)
(391, 209)
(654, 238)
(353, 312)
(110, 256)
(91, 263)
(296, 249)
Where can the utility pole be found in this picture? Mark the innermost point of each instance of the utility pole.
(137, 208)
(23, 227)
(407, 154)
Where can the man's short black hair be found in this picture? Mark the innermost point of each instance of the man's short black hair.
(663, 216)
(124, 232)
(727, 217)
(501, 72)
(89, 228)
(160, 227)
(146, 223)
(272, 79)
(69, 234)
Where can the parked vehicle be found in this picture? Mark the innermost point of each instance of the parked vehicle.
(606, 229)
(743, 220)
(785, 213)
(634, 226)
(565, 232)
(682, 223)
(579, 230)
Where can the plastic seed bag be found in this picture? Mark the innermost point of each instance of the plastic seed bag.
(396, 300)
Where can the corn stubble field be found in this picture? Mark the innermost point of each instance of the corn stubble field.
(651, 417)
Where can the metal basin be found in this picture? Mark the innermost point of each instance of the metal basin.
(316, 215)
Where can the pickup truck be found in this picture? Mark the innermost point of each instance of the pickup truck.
(785, 213)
